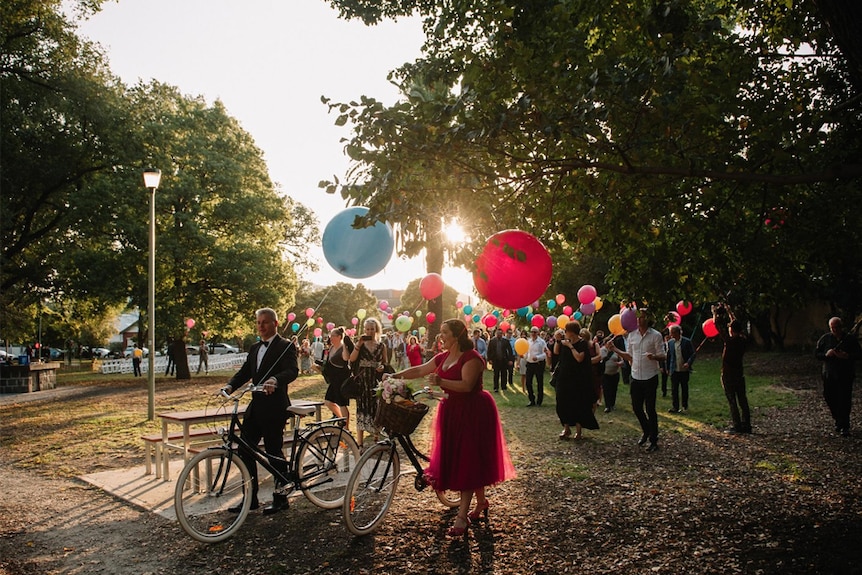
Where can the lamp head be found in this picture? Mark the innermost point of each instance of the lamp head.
(152, 178)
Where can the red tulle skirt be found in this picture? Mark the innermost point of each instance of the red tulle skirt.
(468, 449)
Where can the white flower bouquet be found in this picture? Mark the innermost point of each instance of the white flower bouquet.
(394, 390)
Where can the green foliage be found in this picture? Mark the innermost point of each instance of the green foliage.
(661, 138)
(75, 217)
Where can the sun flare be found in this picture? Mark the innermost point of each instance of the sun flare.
(454, 232)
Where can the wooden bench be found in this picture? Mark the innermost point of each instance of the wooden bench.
(153, 447)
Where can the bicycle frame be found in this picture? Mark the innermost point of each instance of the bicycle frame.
(290, 479)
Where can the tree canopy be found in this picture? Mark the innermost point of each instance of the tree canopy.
(704, 149)
(75, 217)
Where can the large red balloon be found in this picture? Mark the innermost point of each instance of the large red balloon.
(513, 270)
(683, 307)
(431, 286)
(709, 329)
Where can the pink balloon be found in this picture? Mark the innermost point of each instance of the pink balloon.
(588, 308)
(330, 326)
(291, 316)
(673, 318)
(309, 312)
(513, 269)
(505, 325)
(317, 332)
(560, 298)
(320, 320)
(354, 321)
(538, 320)
(190, 323)
(629, 319)
(587, 294)
(431, 286)
(567, 310)
(489, 320)
(683, 307)
(383, 305)
(709, 329)
(459, 304)
(430, 317)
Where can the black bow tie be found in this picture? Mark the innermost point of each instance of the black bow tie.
(265, 343)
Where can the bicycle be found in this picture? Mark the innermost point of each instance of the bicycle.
(374, 480)
(322, 456)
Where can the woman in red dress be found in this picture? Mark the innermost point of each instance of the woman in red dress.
(468, 449)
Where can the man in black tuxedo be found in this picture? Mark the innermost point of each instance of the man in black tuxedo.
(502, 358)
(271, 362)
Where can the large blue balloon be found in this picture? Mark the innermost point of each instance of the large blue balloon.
(357, 252)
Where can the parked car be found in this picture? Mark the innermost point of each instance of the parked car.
(192, 350)
(131, 349)
(221, 348)
(100, 352)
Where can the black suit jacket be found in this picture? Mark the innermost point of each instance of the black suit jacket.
(500, 351)
(279, 362)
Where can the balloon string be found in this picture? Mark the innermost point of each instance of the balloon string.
(316, 310)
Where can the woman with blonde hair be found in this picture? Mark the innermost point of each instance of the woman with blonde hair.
(368, 360)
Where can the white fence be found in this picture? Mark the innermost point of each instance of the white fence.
(216, 363)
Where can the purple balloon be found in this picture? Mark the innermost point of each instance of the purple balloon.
(551, 321)
(629, 319)
(588, 308)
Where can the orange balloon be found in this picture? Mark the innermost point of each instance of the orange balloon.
(521, 346)
(615, 325)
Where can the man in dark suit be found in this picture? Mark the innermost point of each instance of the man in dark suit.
(271, 362)
(502, 358)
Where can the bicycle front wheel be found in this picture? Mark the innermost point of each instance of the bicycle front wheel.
(371, 489)
(210, 495)
(326, 460)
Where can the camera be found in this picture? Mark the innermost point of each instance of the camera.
(365, 338)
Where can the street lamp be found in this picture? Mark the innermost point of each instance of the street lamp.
(151, 182)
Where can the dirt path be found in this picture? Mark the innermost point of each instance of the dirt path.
(786, 500)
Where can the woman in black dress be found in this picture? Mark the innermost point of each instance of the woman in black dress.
(575, 393)
(336, 369)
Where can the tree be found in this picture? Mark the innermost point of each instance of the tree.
(670, 132)
(338, 304)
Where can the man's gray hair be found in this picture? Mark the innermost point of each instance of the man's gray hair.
(268, 311)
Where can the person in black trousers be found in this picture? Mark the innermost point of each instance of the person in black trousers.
(271, 362)
(838, 351)
(502, 359)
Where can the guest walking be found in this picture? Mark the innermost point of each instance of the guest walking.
(368, 359)
(839, 352)
(468, 449)
(680, 356)
(576, 397)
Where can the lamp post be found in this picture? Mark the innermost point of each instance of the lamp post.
(151, 182)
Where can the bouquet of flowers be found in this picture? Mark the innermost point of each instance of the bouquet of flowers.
(394, 390)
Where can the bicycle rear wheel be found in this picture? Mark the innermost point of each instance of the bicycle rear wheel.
(210, 484)
(371, 489)
(326, 460)
(449, 498)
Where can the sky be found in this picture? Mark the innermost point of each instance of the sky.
(269, 62)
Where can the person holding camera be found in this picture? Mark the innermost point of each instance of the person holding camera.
(731, 331)
(335, 368)
(644, 350)
(839, 352)
(576, 395)
(369, 359)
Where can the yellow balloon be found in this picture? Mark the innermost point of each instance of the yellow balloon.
(599, 303)
(360, 313)
(309, 322)
(521, 346)
(615, 325)
(562, 320)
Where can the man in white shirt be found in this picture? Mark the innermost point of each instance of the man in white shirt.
(644, 350)
(536, 356)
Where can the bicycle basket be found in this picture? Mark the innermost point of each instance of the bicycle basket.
(399, 417)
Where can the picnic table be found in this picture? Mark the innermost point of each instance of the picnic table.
(190, 419)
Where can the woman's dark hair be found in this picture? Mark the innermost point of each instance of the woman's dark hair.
(573, 326)
(459, 331)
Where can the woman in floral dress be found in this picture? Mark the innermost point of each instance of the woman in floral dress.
(368, 358)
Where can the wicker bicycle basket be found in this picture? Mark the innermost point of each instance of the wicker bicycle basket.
(399, 417)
